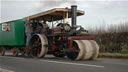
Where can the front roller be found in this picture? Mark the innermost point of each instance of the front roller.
(91, 49)
(95, 50)
(83, 50)
(77, 50)
(38, 46)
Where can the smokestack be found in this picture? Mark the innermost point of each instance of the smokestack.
(74, 14)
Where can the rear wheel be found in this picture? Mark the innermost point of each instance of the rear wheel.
(38, 46)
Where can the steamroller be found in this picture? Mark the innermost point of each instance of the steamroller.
(59, 38)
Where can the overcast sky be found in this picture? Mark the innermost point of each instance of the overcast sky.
(97, 12)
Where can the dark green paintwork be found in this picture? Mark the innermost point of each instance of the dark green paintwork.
(14, 37)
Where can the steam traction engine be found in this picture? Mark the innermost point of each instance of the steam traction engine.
(60, 40)
(64, 40)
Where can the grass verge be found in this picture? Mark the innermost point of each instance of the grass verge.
(113, 55)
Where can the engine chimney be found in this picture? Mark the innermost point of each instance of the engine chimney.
(74, 14)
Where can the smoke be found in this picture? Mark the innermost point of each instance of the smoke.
(54, 3)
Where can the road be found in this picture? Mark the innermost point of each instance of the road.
(53, 64)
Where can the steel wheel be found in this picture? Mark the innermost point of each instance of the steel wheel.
(95, 50)
(2, 52)
(15, 51)
(37, 45)
(73, 53)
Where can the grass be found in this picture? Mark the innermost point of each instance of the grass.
(114, 55)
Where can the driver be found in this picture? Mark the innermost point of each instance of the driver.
(37, 26)
(45, 27)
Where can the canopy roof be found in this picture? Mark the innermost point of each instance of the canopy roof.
(53, 15)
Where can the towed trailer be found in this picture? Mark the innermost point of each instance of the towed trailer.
(61, 39)
(12, 36)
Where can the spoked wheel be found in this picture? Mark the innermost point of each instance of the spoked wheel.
(15, 51)
(38, 46)
(73, 53)
(2, 51)
(35, 46)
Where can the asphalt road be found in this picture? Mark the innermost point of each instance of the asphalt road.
(53, 64)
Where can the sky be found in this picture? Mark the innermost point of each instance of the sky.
(97, 12)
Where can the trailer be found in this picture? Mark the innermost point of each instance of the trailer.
(59, 39)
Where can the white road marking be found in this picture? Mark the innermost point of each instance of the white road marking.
(59, 62)
(69, 63)
(11, 57)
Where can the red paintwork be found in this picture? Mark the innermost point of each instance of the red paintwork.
(79, 37)
(60, 40)
(53, 48)
(14, 51)
(7, 28)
